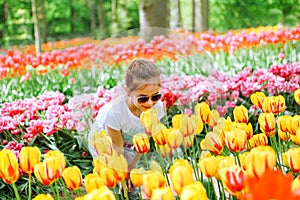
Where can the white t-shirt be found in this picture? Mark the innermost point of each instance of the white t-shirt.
(117, 116)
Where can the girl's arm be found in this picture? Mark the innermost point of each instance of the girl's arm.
(117, 139)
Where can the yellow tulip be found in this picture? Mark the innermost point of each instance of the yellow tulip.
(293, 124)
(240, 114)
(54, 163)
(212, 143)
(193, 191)
(296, 184)
(41, 175)
(202, 109)
(174, 137)
(266, 105)
(260, 139)
(103, 145)
(43, 197)
(295, 139)
(198, 124)
(284, 136)
(293, 158)
(185, 124)
(165, 150)
(149, 118)
(215, 116)
(257, 99)
(119, 164)
(181, 174)
(102, 193)
(155, 166)
(136, 177)
(209, 166)
(267, 123)
(236, 140)
(29, 157)
(72, 177)
(283, 122)
(9, 166)
(159, 134)
(141, 142)
(188, 141)
(243, 158)
(234, 179)
(93, 182)
(224, 162)
(162, 194)
(259, 160)
(297, 96)
(153, 179)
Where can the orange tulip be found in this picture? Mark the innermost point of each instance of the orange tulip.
(41, 175)
(240, 114)
(234, 180)
(9, 166)
(141, 142)
(267, 123)
(297, 96)
(181, 174)
(236, 140)
(29, 157)
(174, 138)
(72, 177)
(162, 194)
(93, 182)
(136, 177)
(194, 190)
(202, 109)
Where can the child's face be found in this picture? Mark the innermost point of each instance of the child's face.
(145, 97)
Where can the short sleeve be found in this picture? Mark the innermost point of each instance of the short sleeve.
(113, 120)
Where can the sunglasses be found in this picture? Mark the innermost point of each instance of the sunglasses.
(144, 99)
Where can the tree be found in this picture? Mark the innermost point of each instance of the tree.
(43, 21)
(36, 26)
(200, 15)
(154, 13)
(3, 19)
(92, 16)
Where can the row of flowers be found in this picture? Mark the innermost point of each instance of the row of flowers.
(231, 159)
(117, 50)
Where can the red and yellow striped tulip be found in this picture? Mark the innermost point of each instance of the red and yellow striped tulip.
(203, 110)
(257, 99)
(174, 138)
(188, 141)
(259, 160)
(267, 123)
(153, 179)
(162, 194)
(181, 174)
(215, 116)
(141, 142)
(103, 145)
(29, 157)
(260, 139)
(212, 143)
(293, 124)
(194, 190)
(165, 150)
(185, 124)
(159, 134)
(293, 158)
(297, 96)
(240, 114)
(41, 175)
(236, 140)
(283, 122)
(149, 118)
(277, 104)
(54, 163)
(9, 166)
(72, 177)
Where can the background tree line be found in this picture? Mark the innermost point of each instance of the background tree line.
(23, 20)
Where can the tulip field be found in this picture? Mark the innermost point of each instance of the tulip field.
(231, 128)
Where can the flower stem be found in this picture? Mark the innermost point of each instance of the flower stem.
(125, 190)
(16, 191)
(57, 191)
(65, 189)
(29, 186)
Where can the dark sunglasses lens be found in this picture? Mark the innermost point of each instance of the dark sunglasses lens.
(143, 99)
(156, 97)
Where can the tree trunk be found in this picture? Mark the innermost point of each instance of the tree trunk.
(93, 16)
(200, 15)
(3, 19)
(36, 27)
(72, 14)
(114, 13)
(44, 21)
(179, 22)
(154, 18)
(101, 18)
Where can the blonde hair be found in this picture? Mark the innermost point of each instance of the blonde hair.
(141, 72)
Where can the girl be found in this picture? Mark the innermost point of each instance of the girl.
(121, 117)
